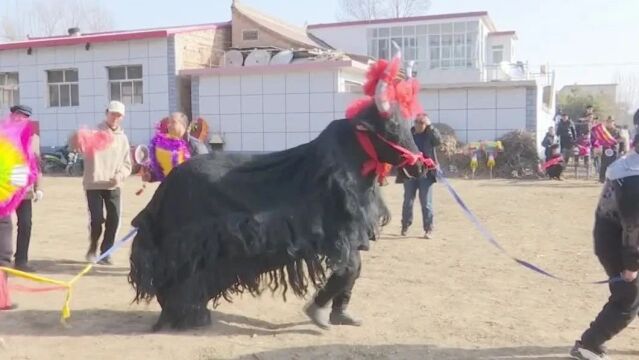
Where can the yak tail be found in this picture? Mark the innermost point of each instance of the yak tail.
(143, 260)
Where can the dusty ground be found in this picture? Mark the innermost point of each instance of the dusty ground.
(453, 297)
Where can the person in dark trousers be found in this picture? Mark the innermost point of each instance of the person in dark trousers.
(104, 173)
(549, 140)
(24, 211)
(338, 289)
(616, 235)
(609, 153)
(567, 136)
(427, 138)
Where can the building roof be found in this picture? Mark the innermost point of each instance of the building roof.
(292, 33)
(318, 65)
(590, 85)
(107, 36)
(402, 19)
(510, 33)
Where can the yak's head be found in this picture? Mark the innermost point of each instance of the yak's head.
(387, 113)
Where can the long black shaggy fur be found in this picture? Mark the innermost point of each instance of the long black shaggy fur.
(222, 224)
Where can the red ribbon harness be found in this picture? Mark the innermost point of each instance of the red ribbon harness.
(373, 164)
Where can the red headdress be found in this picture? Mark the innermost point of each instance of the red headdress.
(384, 87)
(392, 96)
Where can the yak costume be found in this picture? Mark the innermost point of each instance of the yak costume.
(223, 224)
(616, 235)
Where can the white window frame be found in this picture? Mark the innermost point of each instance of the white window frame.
(497, 49)
(257, 34)
(136, 97)
(69, 84)
(425, 44)
(9, 93)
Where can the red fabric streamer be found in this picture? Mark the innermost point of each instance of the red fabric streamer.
(404, 93)
(552, 162)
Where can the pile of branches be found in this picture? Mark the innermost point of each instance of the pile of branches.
(519, 158)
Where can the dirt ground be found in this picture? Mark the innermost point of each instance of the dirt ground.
(452, 297)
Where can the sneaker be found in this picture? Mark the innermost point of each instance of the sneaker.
(317, 315)
(579, 352)
(23, 266)
(404, 230)
(342, 318)
(90, 256)
(428, 235)
(105, 261)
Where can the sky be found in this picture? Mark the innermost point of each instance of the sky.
(585, 41)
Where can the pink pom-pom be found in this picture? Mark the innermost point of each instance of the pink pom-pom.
(90, 141)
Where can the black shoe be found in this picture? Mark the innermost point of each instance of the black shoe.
(404, 230)
(342, 318)
(23, 266)
(580, 352)
(105, 261)
(317, 315)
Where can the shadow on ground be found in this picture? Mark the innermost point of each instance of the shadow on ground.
(96, 322)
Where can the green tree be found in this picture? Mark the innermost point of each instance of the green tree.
(575, 102)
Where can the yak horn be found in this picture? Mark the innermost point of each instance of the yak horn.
(383, 105)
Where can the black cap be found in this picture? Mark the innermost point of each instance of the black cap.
(21, 109)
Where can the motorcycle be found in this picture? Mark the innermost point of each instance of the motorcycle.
(62, 161)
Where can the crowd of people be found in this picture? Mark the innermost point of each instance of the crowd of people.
(588, 138)
(105, 170)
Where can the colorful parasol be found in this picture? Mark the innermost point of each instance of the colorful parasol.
(18, 167)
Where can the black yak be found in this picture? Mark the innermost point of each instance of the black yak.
(222, 224)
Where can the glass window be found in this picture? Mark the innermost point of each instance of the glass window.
(63, 87)
(409, 30)
(9, 89)
(125, 84)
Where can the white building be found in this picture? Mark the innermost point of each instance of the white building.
(469, 78)
(69, 80)
(467, 69)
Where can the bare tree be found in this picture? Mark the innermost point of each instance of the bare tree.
(48, 18)
(627, 95)
(10, 29)
(380, 9)
(404, 8)
(628, 88)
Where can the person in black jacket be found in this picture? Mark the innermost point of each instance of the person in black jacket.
(567, 136)
(427, 138)
(616, 236)
(549, 140)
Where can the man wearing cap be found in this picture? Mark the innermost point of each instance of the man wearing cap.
(104, 172)
(24, 211)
